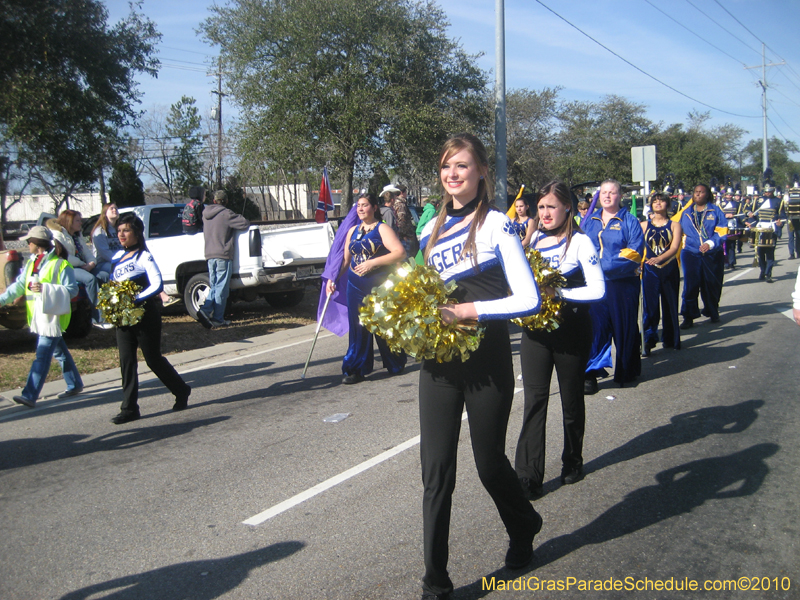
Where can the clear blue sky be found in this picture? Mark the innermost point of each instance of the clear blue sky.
(672, 42)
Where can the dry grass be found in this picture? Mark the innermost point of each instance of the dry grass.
(98, 350)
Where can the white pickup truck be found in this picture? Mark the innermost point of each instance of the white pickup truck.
(275, 263)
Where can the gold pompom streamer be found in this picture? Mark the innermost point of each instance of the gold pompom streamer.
(549, 316)
(404, 311)
(115, 301)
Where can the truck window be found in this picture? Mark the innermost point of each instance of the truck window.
(166, 222)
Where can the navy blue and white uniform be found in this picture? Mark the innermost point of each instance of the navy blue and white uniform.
(703, 272)
(767, 212)
(139, 267)
(660, 283)
(484, 383)
(567, 349)
(619, 243)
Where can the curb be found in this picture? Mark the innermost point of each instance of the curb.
(110, 379)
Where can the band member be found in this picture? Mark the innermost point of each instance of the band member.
(764, 223)
(730, 207)
(704, 227)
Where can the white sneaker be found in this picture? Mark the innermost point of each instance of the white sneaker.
(101, 325)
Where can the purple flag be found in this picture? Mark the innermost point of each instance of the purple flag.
(591, 206)
(335, 319)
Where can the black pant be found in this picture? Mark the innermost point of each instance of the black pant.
(485, 384)
(146, 334)
(567, 348)
(766, 259)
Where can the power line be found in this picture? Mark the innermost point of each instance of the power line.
(625, 60)
(785, 96)
(190, 51)
(775, 127)
(782, 119)
(697, 35)
(733, 35)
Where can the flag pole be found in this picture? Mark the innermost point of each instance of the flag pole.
(316, 334)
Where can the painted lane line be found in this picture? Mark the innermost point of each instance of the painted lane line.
(737, 276)
(333, 481)
(243, 356)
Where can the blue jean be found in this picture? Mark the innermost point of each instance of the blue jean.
(45, 350)
(219, 277)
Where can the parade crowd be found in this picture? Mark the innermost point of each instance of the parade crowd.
(607, 257)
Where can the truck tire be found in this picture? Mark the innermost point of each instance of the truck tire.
(195, 293)
(80, 323)
(285, 299)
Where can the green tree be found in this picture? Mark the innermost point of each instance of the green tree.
(783, 168)
(183, 125)
(694, 153)
(327, 81)
(531, 125)
(69, 80)
(125, 188)
(596, 138)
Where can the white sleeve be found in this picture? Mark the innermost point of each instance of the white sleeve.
(595, 288)
(796, 293)
(524, 299)
(153, 275)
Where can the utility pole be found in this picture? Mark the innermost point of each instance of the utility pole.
(763, 84)
(501, 159)
(219, 94)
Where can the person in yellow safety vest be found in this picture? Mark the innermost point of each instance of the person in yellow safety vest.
(48, 283)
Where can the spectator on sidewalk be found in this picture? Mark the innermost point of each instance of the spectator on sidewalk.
(220, 225)
(48, 283)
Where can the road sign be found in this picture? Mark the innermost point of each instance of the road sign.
(643, 163)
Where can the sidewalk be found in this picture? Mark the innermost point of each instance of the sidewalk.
(110, 379)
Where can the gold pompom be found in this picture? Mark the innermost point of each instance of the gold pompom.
(404, 311)
(115, 300)
(549, 316)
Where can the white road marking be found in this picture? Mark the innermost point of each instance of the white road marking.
(737, 276)
(333, 481)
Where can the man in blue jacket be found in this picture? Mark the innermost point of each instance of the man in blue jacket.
(705, 229)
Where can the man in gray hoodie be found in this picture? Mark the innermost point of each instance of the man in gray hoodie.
(220, 225)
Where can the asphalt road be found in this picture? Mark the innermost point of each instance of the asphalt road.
(692, 475)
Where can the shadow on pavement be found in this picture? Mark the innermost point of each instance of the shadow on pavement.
(678, 491)
(199, 579)
(32, 451)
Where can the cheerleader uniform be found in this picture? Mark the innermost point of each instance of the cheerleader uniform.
(484, 384)
(620, 244)
(660, 282)
(359, 359)
(138, 266)
(567, 348)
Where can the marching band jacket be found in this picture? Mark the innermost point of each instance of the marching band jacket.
(708, 226)
(620, 243)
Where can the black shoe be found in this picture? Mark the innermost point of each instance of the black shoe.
(715, 319)
(25, 401)
(769, 279)
(648, 346)
(762, 277)
(520, 551)
(570, 476)
(791, 257)
(531, 489)
(352, 378)
(125, 416)
(182, 401)
(204, 319)
(687, 323)
(590, 386)
(70, 393)
(432, 596)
